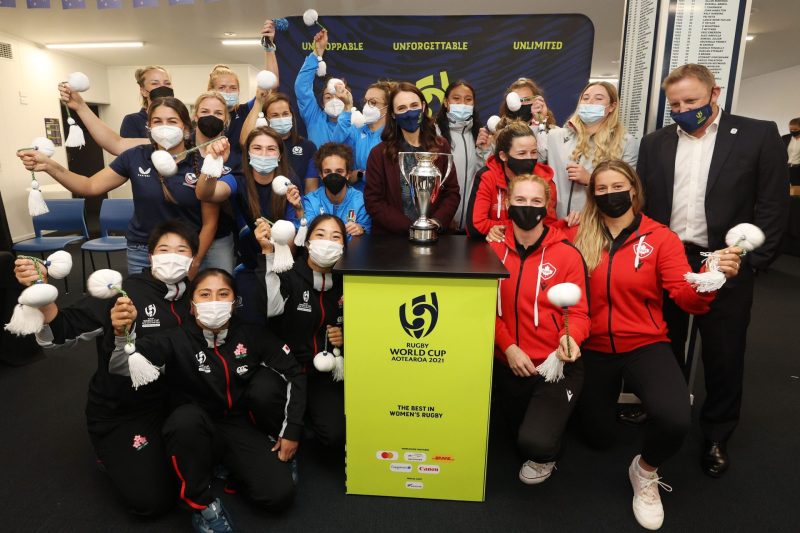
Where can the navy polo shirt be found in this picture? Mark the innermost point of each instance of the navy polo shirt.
(134, 126)
(234, 131)
(301, 157)
(249, 248)
(150, 207)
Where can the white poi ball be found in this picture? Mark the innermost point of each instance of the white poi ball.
(38, 295)
(310, 17)
(357, 118)
(78, 82)
(280, 185)
(282, 232)
(513, 102)
(59, 264)
(564, 294)
(324, 361)
(129, 348)
(745, 236)
(491, 124)
(322, 69)
(266, 80)
(103, 283)
(164, 162)
(44, 145)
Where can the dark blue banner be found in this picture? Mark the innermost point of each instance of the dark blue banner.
(488, 51)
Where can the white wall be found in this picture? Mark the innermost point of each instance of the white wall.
(774, 96)
(28, 94)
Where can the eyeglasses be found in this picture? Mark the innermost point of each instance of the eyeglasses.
(373, 102)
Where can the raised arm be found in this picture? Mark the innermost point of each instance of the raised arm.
(108, 139)
(270, 57)
(95, 185)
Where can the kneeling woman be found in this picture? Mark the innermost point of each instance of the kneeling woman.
(528, 328)
(209, 364)
(307, 304)
(633, 260)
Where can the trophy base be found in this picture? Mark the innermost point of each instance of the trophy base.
(427, 235)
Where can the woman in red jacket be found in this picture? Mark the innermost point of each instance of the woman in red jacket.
(528, 328)
(387, 194)
(515, 154)
(632, 260)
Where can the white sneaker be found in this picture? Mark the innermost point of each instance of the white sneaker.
(532, 473)
(647, 506)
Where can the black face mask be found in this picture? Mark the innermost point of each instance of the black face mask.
(161, 92)
(334, 182)
(524, 113)
(795, 133)
(526, 216)
(521, 166)
(613, 204)
(210, 126)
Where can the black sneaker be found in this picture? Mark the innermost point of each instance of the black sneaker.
(212, 519)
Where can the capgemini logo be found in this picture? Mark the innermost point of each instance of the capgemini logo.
(424, 315)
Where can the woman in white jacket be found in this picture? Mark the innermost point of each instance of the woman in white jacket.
(458, 122)
(593, 134)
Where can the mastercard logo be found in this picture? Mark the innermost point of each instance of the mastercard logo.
(384, 455)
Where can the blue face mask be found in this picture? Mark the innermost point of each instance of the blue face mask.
(459, 112)
(282, 125)
(591, 113)
(231, 99)
(410, 120)
(693, 119)
(263, 164)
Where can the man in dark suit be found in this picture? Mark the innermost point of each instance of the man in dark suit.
(703, 175)
(792, 141)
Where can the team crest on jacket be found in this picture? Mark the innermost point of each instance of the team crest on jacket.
(548, 271)
(240, 351)
(642, 250)
(241, 370)
(139, 442)
(297, 150)
(150, 321)
(304, 305)
(190, 179)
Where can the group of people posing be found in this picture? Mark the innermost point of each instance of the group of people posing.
(235, 339)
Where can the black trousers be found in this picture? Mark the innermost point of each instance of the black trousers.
(132, 452)
(324, 405)
(724, 338)
(196, 442)
(652, 373)
(538, 410)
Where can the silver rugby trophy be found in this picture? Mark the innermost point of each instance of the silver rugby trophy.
(425, 181)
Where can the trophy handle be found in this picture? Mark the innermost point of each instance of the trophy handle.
(402, 162)
(446, 174)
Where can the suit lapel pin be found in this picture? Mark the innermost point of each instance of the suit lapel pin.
(733, 131)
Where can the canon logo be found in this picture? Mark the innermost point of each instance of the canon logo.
(428, 469)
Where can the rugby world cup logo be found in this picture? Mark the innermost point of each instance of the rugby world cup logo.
(419, 319)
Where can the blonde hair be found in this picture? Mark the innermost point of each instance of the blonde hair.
(690, 70)
(216, 96)
(139, 77)
(592, 238)
(609, 139)
(219, 71)
(533, 178)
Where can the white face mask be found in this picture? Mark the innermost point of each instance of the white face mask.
(325, 253)
(334, 107)
(167, 136)
(213, 315)
(371, 114)
(170, 268)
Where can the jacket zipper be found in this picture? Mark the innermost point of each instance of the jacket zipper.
(227, 375)
(516, 299)
(466, 177)
(608, 292)
(322, 310)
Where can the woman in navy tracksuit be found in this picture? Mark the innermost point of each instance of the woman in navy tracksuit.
(305, 308)
(209, 363)
(125, 423)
